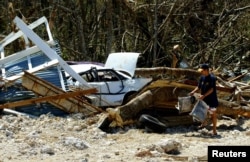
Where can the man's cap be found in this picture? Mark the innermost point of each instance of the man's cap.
(176, 46)
(203, 67)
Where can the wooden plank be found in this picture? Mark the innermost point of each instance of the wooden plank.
(47, 98)
(16, 113)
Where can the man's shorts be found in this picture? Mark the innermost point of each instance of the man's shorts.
(212, 110)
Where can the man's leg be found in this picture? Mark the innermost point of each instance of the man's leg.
(214, 121)
(203, 124)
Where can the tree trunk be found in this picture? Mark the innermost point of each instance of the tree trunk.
(81, 43)
(232, 109)
(124, 114)
(109, 21)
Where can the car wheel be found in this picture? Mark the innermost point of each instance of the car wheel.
(128, 97)
(152, 123)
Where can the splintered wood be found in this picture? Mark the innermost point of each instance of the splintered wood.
(68, 102)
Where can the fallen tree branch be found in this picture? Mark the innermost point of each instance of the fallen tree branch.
(177, 72)
(238, 77)
(165, 92)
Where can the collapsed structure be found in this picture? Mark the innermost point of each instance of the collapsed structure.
(42, 60)
(33, 80)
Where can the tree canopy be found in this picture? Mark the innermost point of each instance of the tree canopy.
(212, 31)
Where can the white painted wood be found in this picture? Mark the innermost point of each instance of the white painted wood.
(48, 51)
(15, 35)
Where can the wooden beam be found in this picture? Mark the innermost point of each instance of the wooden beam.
(47, 98)
(72, 104)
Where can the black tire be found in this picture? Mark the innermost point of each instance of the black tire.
(193, 99)
(152, 123)
(104, 124)
(128, 97)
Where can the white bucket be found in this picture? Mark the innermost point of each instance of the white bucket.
(185, 104)
(199, 111)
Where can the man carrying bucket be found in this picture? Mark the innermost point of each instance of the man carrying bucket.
(207, 87)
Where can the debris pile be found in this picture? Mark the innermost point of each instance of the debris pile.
(36, 77)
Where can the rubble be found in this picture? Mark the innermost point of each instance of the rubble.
(164, 94)
(47, 82)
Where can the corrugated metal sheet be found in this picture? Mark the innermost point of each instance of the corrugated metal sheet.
(16, 92)
(50, 74)
(40, 109)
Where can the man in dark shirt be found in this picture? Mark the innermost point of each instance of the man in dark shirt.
(207, 87)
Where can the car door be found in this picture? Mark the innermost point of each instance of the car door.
(111, 87)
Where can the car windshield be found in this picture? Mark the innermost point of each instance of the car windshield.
(101, 75)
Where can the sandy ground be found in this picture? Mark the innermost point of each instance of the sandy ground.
(78, 139)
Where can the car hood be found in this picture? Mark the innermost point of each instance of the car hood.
(123, 61)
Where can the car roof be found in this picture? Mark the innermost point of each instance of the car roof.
(79, 68)
(124, 62)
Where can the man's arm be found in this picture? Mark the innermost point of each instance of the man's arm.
(206, 94)
(195, 90)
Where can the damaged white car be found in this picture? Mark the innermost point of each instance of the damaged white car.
(115, 81)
